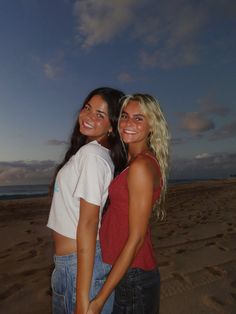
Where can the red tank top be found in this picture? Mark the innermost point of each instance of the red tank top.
(115, 224)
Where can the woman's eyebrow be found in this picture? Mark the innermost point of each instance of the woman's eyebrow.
(138, 115)
(100, 111)
(134, 115)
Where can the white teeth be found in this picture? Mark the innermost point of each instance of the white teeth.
(87, 125)
(129, 132)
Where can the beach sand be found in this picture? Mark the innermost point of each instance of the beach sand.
(195, 247)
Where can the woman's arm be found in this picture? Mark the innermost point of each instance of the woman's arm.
(86, 246)
(140, 186)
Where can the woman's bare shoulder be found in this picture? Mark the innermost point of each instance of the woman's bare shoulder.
(141, 165)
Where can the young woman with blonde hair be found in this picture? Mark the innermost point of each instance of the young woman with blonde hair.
(138, 190)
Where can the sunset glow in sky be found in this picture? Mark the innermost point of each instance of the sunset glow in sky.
(53, 52)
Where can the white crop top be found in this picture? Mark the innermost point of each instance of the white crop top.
(86, 175)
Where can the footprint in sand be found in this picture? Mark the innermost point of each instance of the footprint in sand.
(171, 232)
(210, 243)
(216, 271)
(29, 272)
(180, 277)
(30, 254)
(184, 233)
(214, 303)
(223, 248)
(164, 264)
(233, 284)
(181, 251)
(39, 240)
(22, 243)
(10, 291)
(4, 256)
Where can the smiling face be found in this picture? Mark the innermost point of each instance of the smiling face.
(94, 120)
(133, 125)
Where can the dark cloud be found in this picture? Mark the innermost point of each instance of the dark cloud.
(178, 140)
(218, 165)
(54, 142)
(211, 106)
(201, 124)
(225, 132)
(215, 109)
(26, 172)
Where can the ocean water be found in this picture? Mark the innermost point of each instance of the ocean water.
(23, 191)
(26, 191)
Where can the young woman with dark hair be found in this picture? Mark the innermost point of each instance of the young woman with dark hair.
(80, 192)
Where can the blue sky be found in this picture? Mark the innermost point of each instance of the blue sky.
(54, 52)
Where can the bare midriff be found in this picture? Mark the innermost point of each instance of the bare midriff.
(63, 245)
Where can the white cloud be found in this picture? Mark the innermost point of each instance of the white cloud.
(52, 71)
(196, 122)
(100, 21)
(170, 32)
(52, 68)
(125, 77)
(203, 155)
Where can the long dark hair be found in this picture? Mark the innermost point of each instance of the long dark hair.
(112, 97)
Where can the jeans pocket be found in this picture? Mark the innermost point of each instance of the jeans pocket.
(58, 292)
(148, 297)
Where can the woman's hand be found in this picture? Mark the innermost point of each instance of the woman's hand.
(94, 307)
(81, 308)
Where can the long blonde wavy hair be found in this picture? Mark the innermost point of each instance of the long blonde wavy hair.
(158, 141)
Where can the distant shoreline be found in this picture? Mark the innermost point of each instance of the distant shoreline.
(26, 193)
(22, 196)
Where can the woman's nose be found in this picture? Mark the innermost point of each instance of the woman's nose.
(128, 121)
(91, 115)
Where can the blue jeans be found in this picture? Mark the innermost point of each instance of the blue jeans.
(138, 292)
(64, 282)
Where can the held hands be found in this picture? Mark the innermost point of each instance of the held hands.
(94, 307)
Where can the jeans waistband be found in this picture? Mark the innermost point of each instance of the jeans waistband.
(62, 260)
(137, 273)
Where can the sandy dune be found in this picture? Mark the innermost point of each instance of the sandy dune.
(195, 247)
